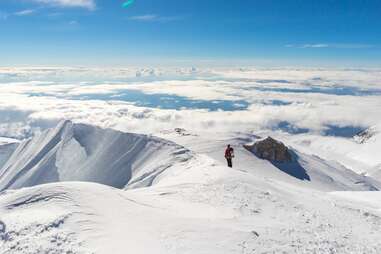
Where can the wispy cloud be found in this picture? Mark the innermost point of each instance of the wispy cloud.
(148, 17)
(73, 22)
(25, 12)
(315, 46)
(331, 45)
(87, 4)
(155, 18)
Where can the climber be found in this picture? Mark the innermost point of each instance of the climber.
(229, 155)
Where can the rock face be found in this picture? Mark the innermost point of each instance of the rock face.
(271, 149)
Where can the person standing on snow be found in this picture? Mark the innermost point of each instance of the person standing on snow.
(229, 155)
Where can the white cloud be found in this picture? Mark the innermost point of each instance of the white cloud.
(87, 4)
(147, 17)
(315, 46)
(21, 113)
(25, 12)
(155, 18)
(332, 45)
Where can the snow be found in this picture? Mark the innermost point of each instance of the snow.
(4, 141)
(320, 174)
(360, 157)
(371, 200)
(218, 211)
(7, 147)
(66, 191)
(77, 152)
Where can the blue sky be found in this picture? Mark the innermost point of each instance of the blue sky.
(176, 32)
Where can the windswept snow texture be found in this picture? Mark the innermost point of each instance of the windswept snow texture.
(77, 152)
(207, 209)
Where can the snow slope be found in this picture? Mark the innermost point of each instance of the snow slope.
(191, 202)
(308, 171)
(77, 152)
(370, 200)
(371, 152)
(6, 150)
(361, 156)
(376, 172)
(204, 208)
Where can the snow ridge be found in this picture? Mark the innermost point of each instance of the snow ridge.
(78, 152)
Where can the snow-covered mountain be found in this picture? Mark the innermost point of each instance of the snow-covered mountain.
(306, 170)
(370, 149)
(77, 152)
(191, 202)
(362, 153)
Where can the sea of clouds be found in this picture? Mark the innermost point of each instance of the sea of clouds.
(321, 101)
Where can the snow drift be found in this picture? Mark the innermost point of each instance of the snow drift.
(78, 152)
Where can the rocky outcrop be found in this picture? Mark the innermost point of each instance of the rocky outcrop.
(271, 149)
(365, 135)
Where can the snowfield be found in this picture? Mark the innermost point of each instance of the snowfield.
(103, 191)
(225, 212)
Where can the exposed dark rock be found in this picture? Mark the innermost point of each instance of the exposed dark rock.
(183, 132)
(178, 131)
(271, 149)
(364, 136)
(280, 156)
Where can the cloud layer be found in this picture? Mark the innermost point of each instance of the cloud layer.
(292, 100)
